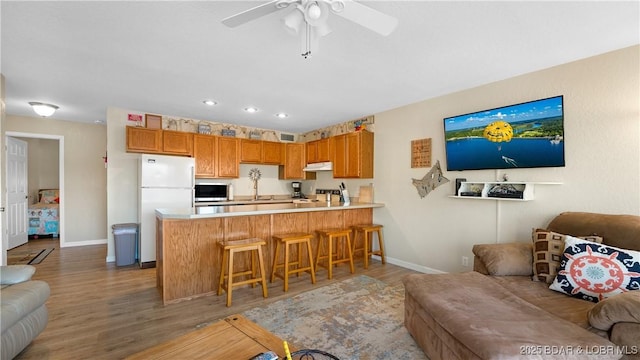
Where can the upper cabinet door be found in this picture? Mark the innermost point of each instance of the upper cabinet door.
(177, 142)
(250, 151)
(339, 155)
(204, 151)
(141, 139)
(294, 162)
(228, 157)
(318, 151)
(352, 155)
(272, 152)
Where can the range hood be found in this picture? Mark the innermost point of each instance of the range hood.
(321, 166)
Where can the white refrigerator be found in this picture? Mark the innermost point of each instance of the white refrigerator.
(165, 182)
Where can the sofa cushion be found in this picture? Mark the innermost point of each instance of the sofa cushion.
(19, 300)
(493, 323)
(14, 274)
(623, 307)
(505, 259)
(553, 302)
(548, 247)
(593, 271)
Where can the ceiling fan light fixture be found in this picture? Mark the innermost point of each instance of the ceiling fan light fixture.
(293, 21)
(316, 13)
(43, 109)
(313, 11)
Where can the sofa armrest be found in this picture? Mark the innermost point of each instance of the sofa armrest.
(623, 307)
(14, 274)
(504, 259)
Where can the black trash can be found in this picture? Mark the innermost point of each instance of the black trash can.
(125, 238)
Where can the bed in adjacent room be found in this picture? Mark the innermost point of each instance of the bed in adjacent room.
(44, 218)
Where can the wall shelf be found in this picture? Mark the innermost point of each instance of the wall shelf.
(499, 190)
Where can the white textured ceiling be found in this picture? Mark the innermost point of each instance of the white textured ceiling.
(167, 57)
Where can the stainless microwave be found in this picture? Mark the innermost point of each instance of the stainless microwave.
(211, 192)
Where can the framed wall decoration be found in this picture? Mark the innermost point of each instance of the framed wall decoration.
(421, 153)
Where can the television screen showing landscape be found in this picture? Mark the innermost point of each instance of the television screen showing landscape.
(523, 135)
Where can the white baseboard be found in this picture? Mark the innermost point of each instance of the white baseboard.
(83, 243)
(411, 266)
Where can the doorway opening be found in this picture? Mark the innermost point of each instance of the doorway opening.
(61, 192)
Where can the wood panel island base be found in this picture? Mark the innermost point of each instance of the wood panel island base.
(188, 260)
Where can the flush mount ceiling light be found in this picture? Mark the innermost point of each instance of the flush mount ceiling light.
(209, 102)
(281, 115)
(311, 16)
(43, 109)
(251, 109)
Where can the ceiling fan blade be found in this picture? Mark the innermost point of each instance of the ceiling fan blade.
(368, 17)
(251, 14)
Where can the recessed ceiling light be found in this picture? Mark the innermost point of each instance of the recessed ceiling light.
(251, 109)
(210, 102)
(99, 121)
(281, 115)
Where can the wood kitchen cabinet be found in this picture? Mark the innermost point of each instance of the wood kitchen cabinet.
(158, 141)
(294, 162)
(144, 140)
(204, 152)
(352, 155)
(272, 152)
(318, 151)
(216, 156)
(177, 143)
(228, 157)
(261, 152)
(250, 151)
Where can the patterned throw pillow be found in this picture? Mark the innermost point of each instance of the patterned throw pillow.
(547, 253)
(593, 271)
(49, 196)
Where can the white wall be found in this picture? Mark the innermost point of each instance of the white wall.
(85, 175)
(602, 172)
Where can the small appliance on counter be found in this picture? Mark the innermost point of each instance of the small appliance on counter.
(297, 190)
(213, 192)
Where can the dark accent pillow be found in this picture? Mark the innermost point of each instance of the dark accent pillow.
(594, 272)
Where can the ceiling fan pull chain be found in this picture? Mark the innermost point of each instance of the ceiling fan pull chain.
(307, 38)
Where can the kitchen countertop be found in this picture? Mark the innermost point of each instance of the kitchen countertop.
(203, 212)
(244, 202)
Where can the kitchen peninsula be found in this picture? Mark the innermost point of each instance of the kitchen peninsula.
(188, 260)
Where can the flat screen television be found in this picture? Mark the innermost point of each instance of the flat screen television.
(526, 135)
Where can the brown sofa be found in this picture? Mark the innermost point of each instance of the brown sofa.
(498, 312)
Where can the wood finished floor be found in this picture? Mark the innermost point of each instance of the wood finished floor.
(100, 311)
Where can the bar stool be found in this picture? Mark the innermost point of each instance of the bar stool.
(366, 234)
(298, 239)
(333, 254)
(229, 249)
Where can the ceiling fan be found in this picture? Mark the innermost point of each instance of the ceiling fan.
(313, 14)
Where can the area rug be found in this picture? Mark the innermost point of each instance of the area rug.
(29, 257)
(358, 318)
